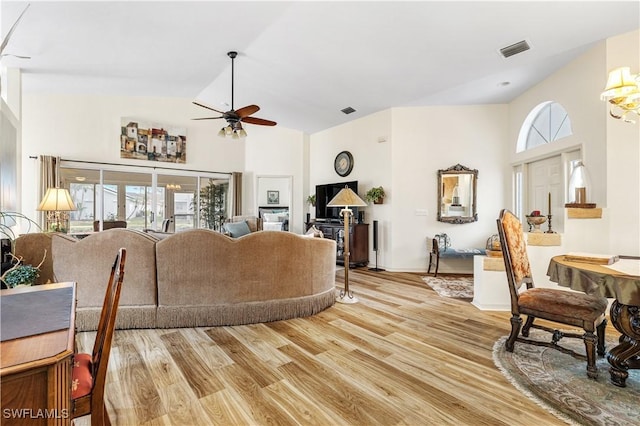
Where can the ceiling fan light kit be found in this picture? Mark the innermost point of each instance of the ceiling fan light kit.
(235, 118)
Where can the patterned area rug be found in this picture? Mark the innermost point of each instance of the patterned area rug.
(559, 383)
(457, 287)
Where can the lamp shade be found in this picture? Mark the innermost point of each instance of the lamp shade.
(620, 83)
(57, 199)
(345, 198)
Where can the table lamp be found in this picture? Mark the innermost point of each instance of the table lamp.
(346, 198)
(57, 202)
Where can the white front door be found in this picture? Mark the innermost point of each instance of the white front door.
(546, 177)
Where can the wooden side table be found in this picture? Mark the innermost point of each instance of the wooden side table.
(35, 370)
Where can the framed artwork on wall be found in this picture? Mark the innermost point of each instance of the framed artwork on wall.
(273, 197)
(154, 142)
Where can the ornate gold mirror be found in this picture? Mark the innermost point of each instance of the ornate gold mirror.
(457, 194)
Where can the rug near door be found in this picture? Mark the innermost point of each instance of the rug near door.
(559, 383)
(456, 287)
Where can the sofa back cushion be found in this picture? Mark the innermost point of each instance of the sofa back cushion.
(32, 248)
(88, 262)
(201, 267)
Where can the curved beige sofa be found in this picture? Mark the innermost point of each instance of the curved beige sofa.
(262, 276)
(199, 277)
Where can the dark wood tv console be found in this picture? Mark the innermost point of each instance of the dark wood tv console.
(358, 241)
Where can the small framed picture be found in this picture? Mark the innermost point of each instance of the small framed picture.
(273, 197)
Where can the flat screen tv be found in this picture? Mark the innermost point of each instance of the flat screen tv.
(325, 193)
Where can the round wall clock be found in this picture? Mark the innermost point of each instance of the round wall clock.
(343, 164)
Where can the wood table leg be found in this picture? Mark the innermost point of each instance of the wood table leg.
(625, 356)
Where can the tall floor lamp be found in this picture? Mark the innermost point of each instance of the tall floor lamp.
(346, 198)
(57, 202)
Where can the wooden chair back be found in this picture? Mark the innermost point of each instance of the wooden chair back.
(93, 403)
(435, 246)
(514, 253)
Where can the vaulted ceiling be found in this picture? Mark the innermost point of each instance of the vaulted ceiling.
(303, 62)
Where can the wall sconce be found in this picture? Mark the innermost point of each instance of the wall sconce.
(57, 203)
(623, 93)
(579, 188)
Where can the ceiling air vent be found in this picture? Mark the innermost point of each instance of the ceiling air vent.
(348, 110)
(514, 49)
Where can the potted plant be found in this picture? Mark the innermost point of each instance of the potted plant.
(375, 194)
(213, 204)
(311, 200)
(21, 274)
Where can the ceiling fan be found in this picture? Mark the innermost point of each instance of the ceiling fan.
(5, 42)
(235, 118)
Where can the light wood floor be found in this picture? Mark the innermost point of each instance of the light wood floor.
(402, 356)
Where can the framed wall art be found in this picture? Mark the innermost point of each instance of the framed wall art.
(273, 197)
(141, 140)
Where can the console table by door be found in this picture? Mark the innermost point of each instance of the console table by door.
(38, 334)
(620, 281)
(358, 241)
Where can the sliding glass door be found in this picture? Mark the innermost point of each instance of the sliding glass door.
(145, 198)
(179, 202)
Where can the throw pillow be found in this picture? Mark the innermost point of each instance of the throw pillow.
(237, 229)
(315, 232)
(271, 217)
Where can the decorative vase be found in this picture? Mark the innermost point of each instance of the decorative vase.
(536, 221)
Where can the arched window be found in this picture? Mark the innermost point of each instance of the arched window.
(546, 123)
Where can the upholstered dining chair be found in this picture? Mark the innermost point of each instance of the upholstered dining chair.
(109, 224)
(561, 306)
(89, 371)
(433, 247)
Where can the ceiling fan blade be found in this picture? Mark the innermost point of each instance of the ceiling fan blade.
(15, 56)
(207, 107)
(207, 118)
(13, 27)
(259, 121)
(248, 110)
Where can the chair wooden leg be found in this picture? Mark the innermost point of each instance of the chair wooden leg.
(590, 348)
(601, 333)
(106, 421)
(437, 265)
(527, 325)
(100, 417)
(516, 323)
(430, 263)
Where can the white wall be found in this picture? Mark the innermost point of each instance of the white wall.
(87, 128)
(10, 139)
(369, 141)
(276, 151)
(577, 88)
(425, 140)
(611, 148)
(623, 156)
(402, 150)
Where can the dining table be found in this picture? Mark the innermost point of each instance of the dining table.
(619, 280)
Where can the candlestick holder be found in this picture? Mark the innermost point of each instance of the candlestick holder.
(549, 230)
